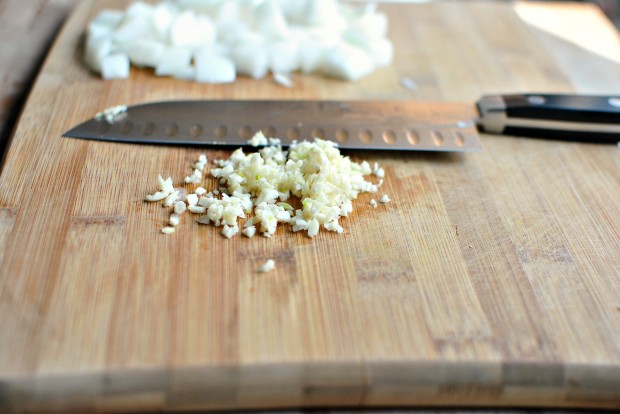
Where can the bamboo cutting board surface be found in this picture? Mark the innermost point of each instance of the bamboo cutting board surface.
(490, 279)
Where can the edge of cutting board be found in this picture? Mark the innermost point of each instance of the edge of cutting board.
(318, 384)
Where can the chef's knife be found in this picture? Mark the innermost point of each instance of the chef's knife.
(386, 125)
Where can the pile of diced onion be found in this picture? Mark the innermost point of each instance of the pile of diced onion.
(257, 187)
(213, 41)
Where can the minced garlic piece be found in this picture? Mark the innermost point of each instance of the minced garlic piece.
(258, 139)
(229, 231)
(201, 163)
(192, 199)
(196, 209)
(111, 114)
(180, 207)
(195, 178)
(171, 199)
(166, 187)
(160, 195)
(249, 231)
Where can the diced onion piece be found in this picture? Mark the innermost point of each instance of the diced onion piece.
(324, 13)
(173, 61)
(108, 18)
(283, 79)
(167, 230)
(97, 31)
(139, 10)
(190, 30)
(115, 66)
(135, 25)
(97, 50)
(268, 266)
(348, 62)
(251, 60)
(283, 56)
(144, 52)
(185, 73)
(162, 18)
(271, 22)
(382, 50)
(211, 68)
(312, 56)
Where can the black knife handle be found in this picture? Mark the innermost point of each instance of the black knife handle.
(587, 118)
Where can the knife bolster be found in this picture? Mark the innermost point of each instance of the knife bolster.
(492, 109)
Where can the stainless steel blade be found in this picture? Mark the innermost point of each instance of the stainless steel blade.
(384, 125)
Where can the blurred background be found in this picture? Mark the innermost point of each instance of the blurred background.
(611, 8)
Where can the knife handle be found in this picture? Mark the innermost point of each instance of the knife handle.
(566, 117)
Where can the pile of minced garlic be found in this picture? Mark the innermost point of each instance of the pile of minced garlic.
(260, 184)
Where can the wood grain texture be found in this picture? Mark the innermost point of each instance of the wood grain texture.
(492, 279)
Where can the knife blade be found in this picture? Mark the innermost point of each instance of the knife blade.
(352, 124)
(385, 125)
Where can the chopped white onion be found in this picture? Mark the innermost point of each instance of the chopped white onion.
(115, 66)
(213, 41)
(267, 266)
(251, 60)
(173, 60)
(283, 79)
(283, 56)
(211, 68)
(348, 62)
(145, 52)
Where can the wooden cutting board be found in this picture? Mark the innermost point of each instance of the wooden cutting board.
(491, 279)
